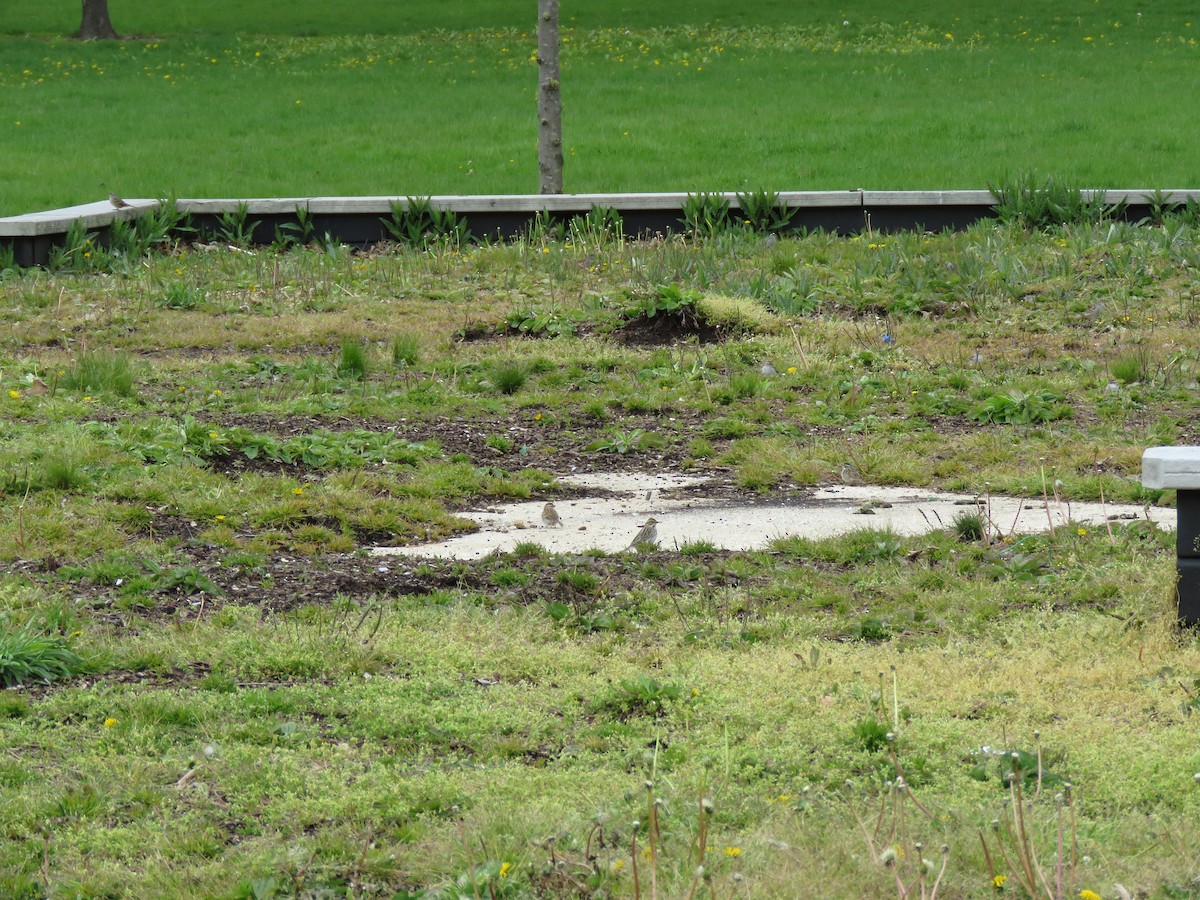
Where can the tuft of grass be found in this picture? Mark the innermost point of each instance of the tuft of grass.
(509, 377)
(406, 350)
(1131, 368)
(63, 472)
(968, 526)
(100, 372)
(353, 363)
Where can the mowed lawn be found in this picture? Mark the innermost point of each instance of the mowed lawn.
(298, 100)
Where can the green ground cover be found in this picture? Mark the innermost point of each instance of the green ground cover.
(289, 99)
(197, 448)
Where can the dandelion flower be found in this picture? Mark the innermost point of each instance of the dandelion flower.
(998, 882)
(733, 851)
(1081, 531)
(110, 722)
(298, 491)
(16, 395)
(505, 868)
(1085, 894)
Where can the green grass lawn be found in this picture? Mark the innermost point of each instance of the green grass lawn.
(291, 100)
(197, 448)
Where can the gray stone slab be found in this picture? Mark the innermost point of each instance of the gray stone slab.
(1165, 468)
(58, 221)
(255, 206)
(1135, 197)
(927, 198)
(566, 203)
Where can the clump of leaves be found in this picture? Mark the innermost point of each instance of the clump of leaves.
(666, 298)
(539, 322)
(705, 215)
(187, 580)
(1018, 566)
(417, 223)
(641, 696)
(234, 227)
(587, 621)
(601, 225)
(763, 212)
(300, 232)
(1034, 202)
(627, 442)
(180, 296)
(27, 656)
(544, 229)
(152, 228)
(1030, 769)
(1015, 407)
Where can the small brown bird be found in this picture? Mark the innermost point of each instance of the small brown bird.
(647, 535)
(550, 517)
(117, 201)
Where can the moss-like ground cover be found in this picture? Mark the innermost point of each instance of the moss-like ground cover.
(198, 447)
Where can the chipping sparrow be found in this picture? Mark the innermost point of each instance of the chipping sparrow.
(647, 535)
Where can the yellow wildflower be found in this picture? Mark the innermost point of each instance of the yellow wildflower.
(505, 868)
(733, 851)
(1085, 894)
(110, 722)
(998, 881)
(297, 491)
(16, 395)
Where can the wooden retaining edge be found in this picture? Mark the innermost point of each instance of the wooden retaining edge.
(355, 220)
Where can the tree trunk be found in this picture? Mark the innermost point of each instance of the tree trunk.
(550, 155)
(96, 26)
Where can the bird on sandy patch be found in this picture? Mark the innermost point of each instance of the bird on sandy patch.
(117, 201)
(550, 516)
(647, 535)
